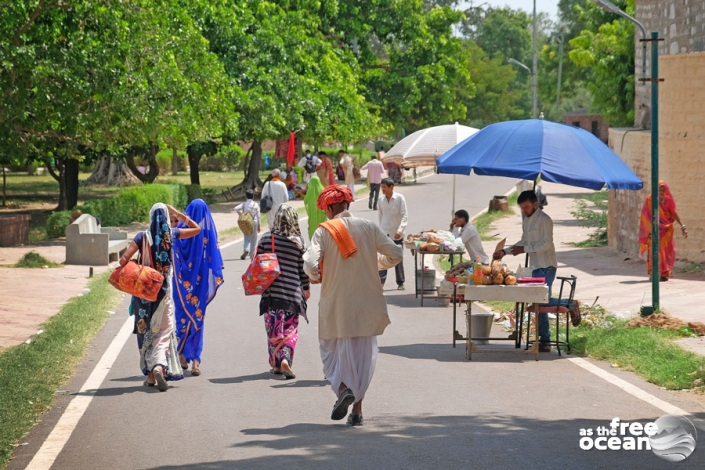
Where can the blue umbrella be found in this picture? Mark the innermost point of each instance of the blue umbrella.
(526, 149)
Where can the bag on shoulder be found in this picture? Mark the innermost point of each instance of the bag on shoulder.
(310, 167)
(142, 281)
(261, 272)
(266, 202)
(246, 222)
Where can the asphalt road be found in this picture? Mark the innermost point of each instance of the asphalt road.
(426, 408)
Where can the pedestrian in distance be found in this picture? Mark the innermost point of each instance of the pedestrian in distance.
(393, 219)
(249, 223)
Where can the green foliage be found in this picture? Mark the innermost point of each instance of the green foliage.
(31, 373)
(57, 223)
(194, 192)
(228, 158)
(35, 261)
(133, 204)
(606, 48)
(591, 211)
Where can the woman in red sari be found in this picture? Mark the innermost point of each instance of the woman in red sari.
(667, 245)
(325, 170)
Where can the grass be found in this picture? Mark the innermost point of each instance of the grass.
(484, 221)
(31, 373)
(648, 352)
(35, 260)
(499, 306)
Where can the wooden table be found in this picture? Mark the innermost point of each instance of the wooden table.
(414, 247)
(520, 294)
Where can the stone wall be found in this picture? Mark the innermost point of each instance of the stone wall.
(585, 121)
(681, 158)
(681, 23)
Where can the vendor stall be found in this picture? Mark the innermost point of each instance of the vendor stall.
(431, 243)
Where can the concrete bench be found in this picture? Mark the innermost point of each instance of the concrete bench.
(87, 244)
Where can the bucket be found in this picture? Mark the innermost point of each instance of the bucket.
(426, 280)
(481, 327)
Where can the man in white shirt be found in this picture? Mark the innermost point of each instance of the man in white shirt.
(275, 189)
(375, 169)
(250, 242)
(537, 241)
(463, 229)
(392, 221)
(310, 164)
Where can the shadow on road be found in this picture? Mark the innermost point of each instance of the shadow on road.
(302, 384)
(446, 353)
(243, 378)
(430, 441)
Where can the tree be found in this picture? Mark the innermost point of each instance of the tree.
(606, 48)
(291, 76)
(497, 96)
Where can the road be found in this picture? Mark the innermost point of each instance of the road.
(427, 407)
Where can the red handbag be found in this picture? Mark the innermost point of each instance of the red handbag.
(261, 272)
(140, 281)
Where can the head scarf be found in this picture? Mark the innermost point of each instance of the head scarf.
(334, 194)
(286, 224)
(159, 239)
(198, 273)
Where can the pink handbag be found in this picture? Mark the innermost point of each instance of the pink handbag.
(261, 272)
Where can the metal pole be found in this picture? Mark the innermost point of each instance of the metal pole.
(453, 213)
(560, 71)
(655, 271)
(536, 68)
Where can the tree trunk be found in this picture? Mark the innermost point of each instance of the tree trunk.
(252, 180)
(194, 160)
(30, 169)
(111, 171)
(151, 154)
(174, 162)
(71, 182)
(4, 187)
(59, 175)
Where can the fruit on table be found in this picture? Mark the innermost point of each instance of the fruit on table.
(510, 280)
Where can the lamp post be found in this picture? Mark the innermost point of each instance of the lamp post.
(535, 68)
(560, 70)
(654, 40)
(526, 67)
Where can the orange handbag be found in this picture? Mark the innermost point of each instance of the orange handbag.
(140, 281)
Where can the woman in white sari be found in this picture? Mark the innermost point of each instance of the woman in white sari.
(154, 321)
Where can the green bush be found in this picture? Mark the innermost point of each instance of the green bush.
(228, 158)
(194, 192)
(57, 223)
(164, 160)
(133, 204)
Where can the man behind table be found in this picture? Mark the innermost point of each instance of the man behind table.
(537, 241)
(461, 228)
(351, 314)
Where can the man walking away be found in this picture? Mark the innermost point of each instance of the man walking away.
(275, 189)
(349, 319)
(310, 164)
(249, 207)
(393, 220)
(375, 169)
(347, 161)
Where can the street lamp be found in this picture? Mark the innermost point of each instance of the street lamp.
(654, 40)
(526, 67)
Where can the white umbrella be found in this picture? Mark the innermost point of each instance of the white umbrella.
(423, 147)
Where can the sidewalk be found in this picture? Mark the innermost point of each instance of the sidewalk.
(621, 283)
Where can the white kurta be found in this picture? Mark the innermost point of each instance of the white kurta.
(279, 194)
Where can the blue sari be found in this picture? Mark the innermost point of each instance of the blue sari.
(198, 272)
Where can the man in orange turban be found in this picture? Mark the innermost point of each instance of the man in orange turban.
(351, 316)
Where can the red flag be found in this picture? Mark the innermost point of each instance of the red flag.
(291, 153)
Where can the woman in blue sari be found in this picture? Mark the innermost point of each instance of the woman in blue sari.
(198, 272)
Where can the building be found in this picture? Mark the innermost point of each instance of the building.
(592, 123)
(681, 127)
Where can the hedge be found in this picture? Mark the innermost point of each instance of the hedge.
(57, 223)
(130, 205)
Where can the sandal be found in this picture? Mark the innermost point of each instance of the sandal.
(195, 372)
(147, 383)
(355, 420)
(275, 371)
(286, 370)
(340, 409)
(162, 386)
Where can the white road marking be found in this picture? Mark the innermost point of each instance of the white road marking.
(635, 391)
(47, 454)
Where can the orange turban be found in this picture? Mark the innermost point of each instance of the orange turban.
(334, 194)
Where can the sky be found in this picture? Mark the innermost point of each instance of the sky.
(548, 6)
